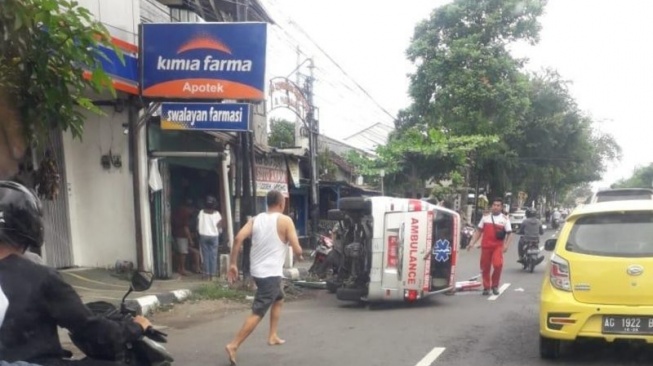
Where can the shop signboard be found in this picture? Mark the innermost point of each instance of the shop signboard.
(203, 60)
(271, 174)
(205, 116)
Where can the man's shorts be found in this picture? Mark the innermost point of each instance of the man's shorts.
(181, 245)
(268, 291)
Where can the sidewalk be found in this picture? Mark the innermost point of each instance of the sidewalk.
(94, 284)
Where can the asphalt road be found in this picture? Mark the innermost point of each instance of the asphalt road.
(464, 329)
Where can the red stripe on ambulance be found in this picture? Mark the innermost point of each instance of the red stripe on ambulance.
(426, 286)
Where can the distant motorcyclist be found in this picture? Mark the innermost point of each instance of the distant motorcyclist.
(35, 300)
(530, 230)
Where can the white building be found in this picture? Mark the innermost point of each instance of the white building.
(94, 222)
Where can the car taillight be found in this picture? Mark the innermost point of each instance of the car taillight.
(559, 274)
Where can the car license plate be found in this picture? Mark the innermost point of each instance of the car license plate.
(627, 324)
(533, 251)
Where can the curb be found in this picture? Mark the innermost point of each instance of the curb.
(295, 274)
(147, 305)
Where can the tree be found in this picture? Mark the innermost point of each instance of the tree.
(46, 47)
(557, 147)
(579, 193)
(466, 82)
(282, 133)
(642, 178)
(413, 156)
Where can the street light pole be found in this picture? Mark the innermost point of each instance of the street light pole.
(313, 131)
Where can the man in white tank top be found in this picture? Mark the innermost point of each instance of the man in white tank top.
(271, 232)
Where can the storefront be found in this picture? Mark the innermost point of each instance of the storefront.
(189, 166)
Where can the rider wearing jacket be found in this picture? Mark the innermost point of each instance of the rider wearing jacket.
(530, 230)
(34, 299)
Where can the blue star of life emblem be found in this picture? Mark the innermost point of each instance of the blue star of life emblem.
(442, 250)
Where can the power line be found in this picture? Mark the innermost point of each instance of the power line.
(331, 59)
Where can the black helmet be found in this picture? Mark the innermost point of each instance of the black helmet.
(21, 222)
(530, 213)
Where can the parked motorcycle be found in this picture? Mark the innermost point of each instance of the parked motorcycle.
(320, 266)
(531, 256)
(147, 351)
(466, 237)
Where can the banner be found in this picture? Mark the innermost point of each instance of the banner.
(271, 174)
(203, 60)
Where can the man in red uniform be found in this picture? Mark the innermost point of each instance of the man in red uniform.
(495, 231)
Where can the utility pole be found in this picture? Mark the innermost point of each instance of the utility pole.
(313, 131)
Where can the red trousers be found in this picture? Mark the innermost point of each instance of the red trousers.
(491, 257)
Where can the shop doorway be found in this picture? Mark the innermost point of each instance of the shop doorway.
(185, 180)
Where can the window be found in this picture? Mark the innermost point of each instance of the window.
(623, 195)
(615, 234)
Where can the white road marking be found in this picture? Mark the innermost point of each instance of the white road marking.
(431, 357)
(501, 290)
(519, 290)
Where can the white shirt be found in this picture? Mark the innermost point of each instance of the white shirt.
(268, 251)
(207, 224)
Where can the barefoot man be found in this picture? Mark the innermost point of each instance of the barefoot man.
(271, 232)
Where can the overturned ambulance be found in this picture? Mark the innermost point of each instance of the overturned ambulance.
(390, 249)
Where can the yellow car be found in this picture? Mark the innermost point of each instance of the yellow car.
(599, 281)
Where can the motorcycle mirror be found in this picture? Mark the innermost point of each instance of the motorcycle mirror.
(141, 281)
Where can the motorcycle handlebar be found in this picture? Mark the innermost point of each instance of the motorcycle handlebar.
(156, 335)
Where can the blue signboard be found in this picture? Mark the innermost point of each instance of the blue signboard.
(205, 116)
(203, 60)
(123, 73)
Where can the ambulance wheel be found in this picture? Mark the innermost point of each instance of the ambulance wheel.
(549, 348)
(355, 204)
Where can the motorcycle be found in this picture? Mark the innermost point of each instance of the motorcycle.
(320, 254)
(530, 254)
(555, 224)
(466, 237)
(147, 351)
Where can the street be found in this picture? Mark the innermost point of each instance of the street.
(464, 329)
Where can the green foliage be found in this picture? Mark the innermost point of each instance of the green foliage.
(581, 192)
(642, 178)
(481, 111)
(217, 291)
(326, 167)
(558, 147)
(466, 80)
(46, 46)
(282, 133)
(370, 168)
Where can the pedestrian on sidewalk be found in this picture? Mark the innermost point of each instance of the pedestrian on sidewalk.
(271, 232)
(209, 226)
(495, 231)
(184, 243)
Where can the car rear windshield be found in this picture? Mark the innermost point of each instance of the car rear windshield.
(623, 196)
(625, 234)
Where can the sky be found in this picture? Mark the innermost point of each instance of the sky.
(602, 47)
